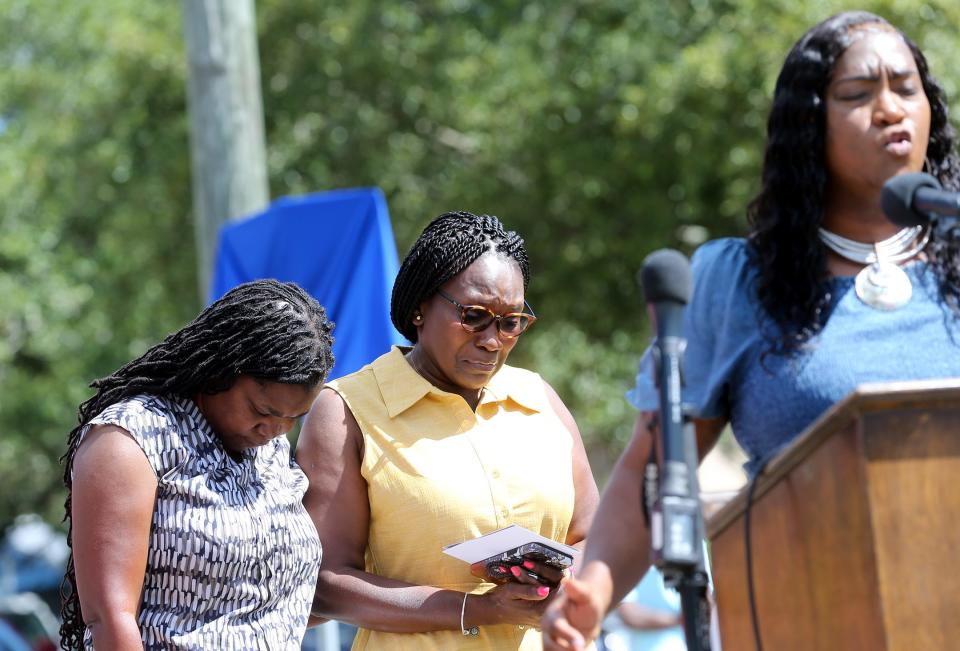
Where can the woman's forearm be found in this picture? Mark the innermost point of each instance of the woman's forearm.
(382, 604)
(116, 632)
(378, 603)
(617, 551)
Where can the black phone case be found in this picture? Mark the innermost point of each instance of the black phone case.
(533, 551)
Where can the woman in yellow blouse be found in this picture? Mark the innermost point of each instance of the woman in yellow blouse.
(441, 443)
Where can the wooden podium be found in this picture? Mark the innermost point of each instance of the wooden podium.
(855, 530)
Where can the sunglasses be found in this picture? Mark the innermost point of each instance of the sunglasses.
(475, 318)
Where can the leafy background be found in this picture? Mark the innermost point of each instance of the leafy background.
(600, 129)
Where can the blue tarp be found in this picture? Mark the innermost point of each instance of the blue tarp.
(339, 247)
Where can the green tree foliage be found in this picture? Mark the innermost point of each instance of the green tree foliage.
(600, 129)
(96, 254)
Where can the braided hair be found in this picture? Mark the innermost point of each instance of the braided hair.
(266, 329)
(786, 214)
(447, 246)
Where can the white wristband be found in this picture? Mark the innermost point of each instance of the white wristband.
(463, 609)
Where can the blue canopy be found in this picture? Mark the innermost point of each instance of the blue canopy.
(339, 247)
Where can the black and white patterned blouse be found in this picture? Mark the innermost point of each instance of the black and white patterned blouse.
(233, 556)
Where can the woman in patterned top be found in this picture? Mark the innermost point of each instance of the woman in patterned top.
(185, 509)
(441, 443)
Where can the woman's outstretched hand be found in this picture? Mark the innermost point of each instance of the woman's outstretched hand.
(573, 619)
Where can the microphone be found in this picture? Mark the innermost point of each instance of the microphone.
(665, 278)
(676, 524)
(908, 199)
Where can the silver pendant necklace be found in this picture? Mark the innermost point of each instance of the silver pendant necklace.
(882, 284)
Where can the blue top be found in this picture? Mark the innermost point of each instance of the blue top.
(769, 403)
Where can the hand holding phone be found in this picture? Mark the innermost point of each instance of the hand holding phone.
(528, 558)
(547, 563)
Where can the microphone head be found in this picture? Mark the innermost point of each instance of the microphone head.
(897, 196)
(665, 276)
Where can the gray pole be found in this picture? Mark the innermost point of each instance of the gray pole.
(226, 120)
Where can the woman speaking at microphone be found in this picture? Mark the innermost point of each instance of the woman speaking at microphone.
(824, 294)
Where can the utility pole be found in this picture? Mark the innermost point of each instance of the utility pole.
(228, 149)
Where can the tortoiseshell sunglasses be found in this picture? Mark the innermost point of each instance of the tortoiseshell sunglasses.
(475, 318)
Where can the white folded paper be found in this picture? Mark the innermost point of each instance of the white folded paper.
(502, 540)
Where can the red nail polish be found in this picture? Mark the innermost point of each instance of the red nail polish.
(501, 569)
(543, 591)
(528, 565)
(515, 570)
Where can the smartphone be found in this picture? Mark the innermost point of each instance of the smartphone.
(532, 551)
(543, 554)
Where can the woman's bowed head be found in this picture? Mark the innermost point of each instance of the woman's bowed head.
(250, 364)
(252, 361)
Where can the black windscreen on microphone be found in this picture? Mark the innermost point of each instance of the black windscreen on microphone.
(665, 276)
(899, 194)
(666, 280)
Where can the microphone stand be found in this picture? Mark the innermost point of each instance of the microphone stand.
(676, 521)
(690, 578)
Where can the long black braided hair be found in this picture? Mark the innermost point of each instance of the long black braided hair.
(265, 329)
(447, 246)
(785, 215)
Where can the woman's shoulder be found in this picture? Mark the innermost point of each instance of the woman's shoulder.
(352, 382)
(724, 255)
(142, 410)
(516, 377)
(724, 317)
(388, 365)
(518, 373)
(524, 386)
(156, 422)
(723, 274)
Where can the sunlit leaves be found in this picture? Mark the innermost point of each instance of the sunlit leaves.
(600, 129)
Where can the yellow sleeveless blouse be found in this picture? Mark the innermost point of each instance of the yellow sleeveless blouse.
(438, 473)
